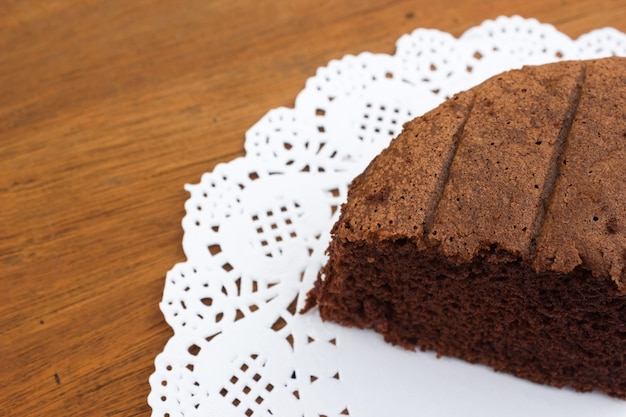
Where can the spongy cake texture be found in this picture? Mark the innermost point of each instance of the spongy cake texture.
(493, 229)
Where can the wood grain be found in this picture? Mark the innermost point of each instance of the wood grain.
(107, 109)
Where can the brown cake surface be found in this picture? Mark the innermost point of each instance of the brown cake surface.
(493, 229)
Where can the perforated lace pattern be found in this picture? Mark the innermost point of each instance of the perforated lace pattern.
(256, 228)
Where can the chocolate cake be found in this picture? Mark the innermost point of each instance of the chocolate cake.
(493, 229)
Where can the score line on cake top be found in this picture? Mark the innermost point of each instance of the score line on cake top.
(256, 229)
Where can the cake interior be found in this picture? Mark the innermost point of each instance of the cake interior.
(548, 327)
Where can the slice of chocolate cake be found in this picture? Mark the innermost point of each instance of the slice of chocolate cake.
(493, 229)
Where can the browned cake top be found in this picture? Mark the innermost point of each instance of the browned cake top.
(532, 162)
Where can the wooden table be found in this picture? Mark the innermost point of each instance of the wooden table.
(106, 110)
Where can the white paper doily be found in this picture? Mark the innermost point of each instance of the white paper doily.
(256, 229)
